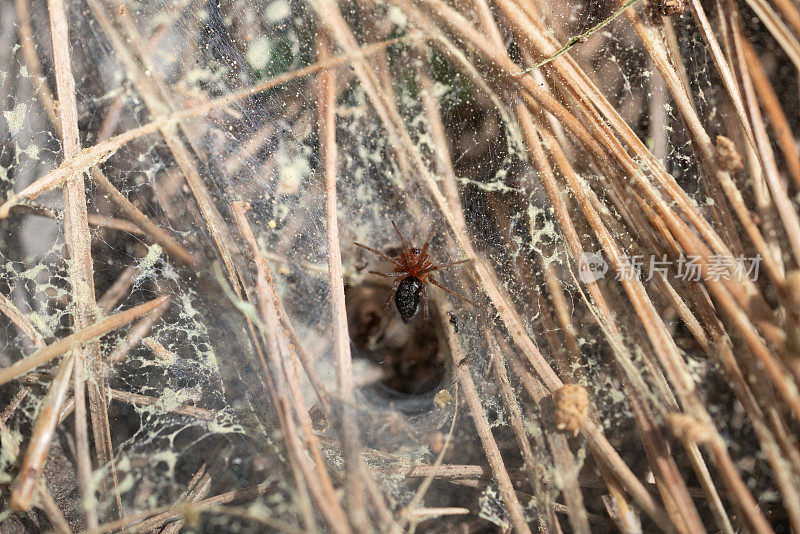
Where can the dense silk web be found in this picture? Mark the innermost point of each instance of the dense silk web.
(192, 395)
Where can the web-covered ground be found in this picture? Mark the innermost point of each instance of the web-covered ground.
(271, 393)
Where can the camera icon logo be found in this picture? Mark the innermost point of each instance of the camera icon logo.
(591, 267)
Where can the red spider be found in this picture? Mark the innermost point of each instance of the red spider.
(412, 276)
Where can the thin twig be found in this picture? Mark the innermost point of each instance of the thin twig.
(461, 370)
(50, 507)
(164, 514)
(341, 338)
(18, 318)
(417, 515)
(78, 339)
(572, 41)
(117, 290)
(136, 334)
(30, 470)
(423, 488)
(79, 243)
(135, 399)
(279, 368)
(14, 403)
(100, 152)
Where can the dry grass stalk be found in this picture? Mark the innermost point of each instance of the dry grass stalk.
(159, 106)
(78, 242)
(777, 118)
(54, 513)
(433, 472)
(134, 399)
(615, 255)
(491, 284)
(95, 220)
(783, 205)
(673, 220)
(117, 290)
(174, 249)
(788, 40)
(493, 455)
(18, 318)
(448, 471)
(198, 485)
(14, 403)
(101, 151)
(724, 69)
(571, 368)
(576, 510)
(197, 490)
(238, 210)
(157, 517)
(605, 453)
(322, 477)
(78, 339)
(141, 221)
(348, 429)
(579, 83)
(30, 470)
(421, 514)
(611, 249)
(279, 369)
(136, 334)
(276, 351)
(680, 93)
(112, 223)
(759, 349)
(559, 448)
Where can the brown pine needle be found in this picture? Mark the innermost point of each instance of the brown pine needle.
(100, 152)
(36, 454)
(78, 339)
(580, 38)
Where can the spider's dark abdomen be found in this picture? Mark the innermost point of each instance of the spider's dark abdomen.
(408, 297)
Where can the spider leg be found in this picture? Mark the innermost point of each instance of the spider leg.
(406, 248)
(440, 286)
(391, 294)
(425, 299)
(436, 268)
(387, 275)
(430, 237)
(381, 254)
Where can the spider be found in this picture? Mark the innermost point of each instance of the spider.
(412, 274)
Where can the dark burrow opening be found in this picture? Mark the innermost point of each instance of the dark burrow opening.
(413, 356)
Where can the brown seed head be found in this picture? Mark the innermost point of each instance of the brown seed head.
(572, 405)
(436, 442)
(669, 8)
(687, 428)
(728, 157)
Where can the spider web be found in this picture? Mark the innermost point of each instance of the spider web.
(264, 150)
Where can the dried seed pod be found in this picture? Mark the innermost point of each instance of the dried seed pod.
(436, 442)
(687, 428)
(728, 157)
(572, 405)
(669, 8)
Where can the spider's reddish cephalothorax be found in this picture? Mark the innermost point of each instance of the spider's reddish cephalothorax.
(412, 274)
